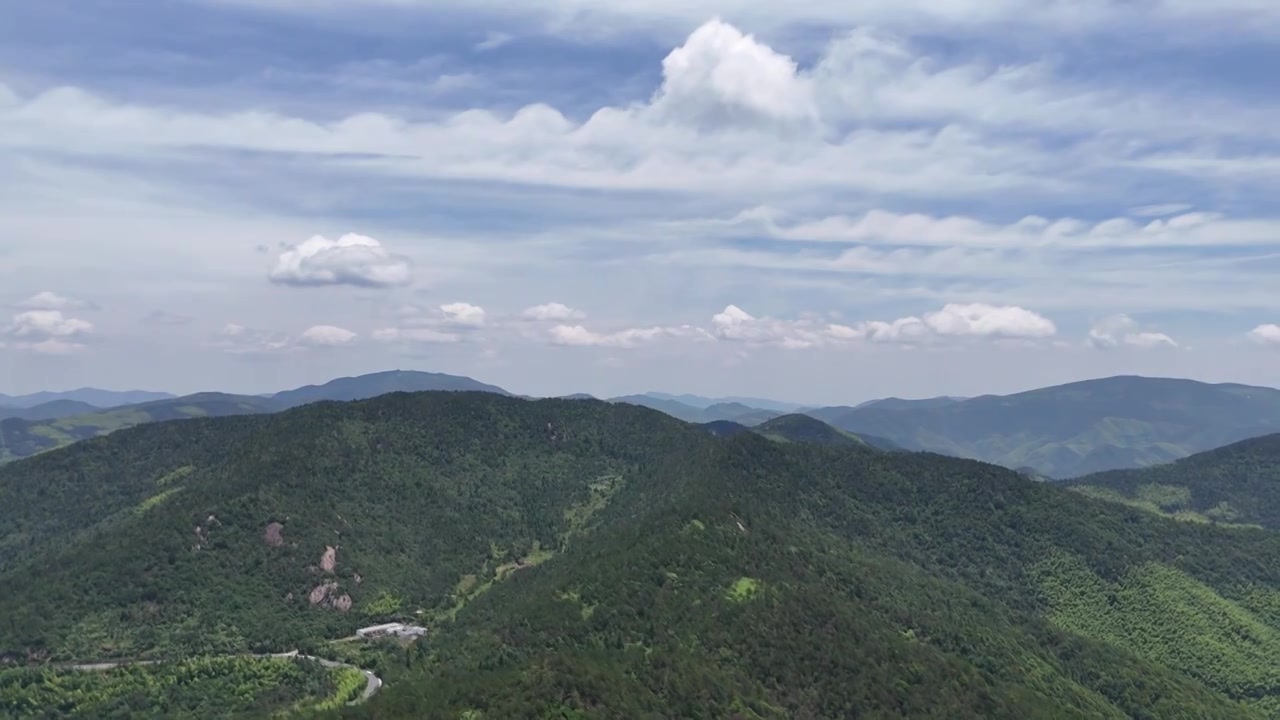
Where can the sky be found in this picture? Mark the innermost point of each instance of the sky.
(818, 201)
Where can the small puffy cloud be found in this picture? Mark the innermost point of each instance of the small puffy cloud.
(981, 320)
(415, 335)
(48, 332)
(1117, 330)
(734, 323)
(975, 320)
(350, 260)
(1268, 334)
(327, 336)
(51, 301)
(237, 339)
(493, 40)
(47, 324)
(552, 311)
(463, 314)
(579, 336)
(721, 76)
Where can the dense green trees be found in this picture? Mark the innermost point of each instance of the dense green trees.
(1232, 485)
(577, 559)
(197, 689)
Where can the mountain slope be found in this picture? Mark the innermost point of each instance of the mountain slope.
(701, 402)
(1239, 483)
(1079, 428)
(20, 439)
(375, 384)
(51, 410)
(583, 559)
(723, 411)
(805, 429)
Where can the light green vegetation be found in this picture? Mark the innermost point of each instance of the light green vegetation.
(1237, 485)
(743, 589)
(1165, 616)
(156, 499)
(197, 688)
(384, 605)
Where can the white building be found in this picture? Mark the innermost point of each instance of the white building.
(391, 629)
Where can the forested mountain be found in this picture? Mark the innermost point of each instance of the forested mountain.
(584, 559)
(21, 439)
(51, 410)
(1074, 429)
(700, 401)
(375, 384)
(802, 428)
(89, 396)
(1237, 484)
(730, 411)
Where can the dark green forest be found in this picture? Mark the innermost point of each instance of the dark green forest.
(577, 559)
(1237, 484)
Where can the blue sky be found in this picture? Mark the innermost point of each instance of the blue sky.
(821, 201)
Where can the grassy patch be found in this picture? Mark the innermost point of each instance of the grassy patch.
(192, 410)
(156, 499)
(173, 477)
(743, 589)
(1167, 500)
(386, 603)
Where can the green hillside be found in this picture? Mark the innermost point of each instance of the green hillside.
(22, 438)
(19, 438)
(579, 559)
(1075, 429)
(1237, 484)
(802, 428)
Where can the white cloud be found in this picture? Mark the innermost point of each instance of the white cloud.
(881, 227)
(552, 311)
(577, 335)
(327, 336)
(1117, 330)
(47, 300)
(975, 320)
(493, 41)
(721, 77)
(1160, 210)
(1268, 334)
(350, 260)
(734, 323)
(463, 314)
(237, 339)
(47, 324)
(962, 17)
(981, 320)
(415, 335)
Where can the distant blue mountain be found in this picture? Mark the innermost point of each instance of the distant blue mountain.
(89, 396)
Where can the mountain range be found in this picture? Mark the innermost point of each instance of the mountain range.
(1075, 429)
(1057, 432)
(586, 559)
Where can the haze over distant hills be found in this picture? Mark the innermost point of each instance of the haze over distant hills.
(1078, 428)
(89, 396)
(1056, 432)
